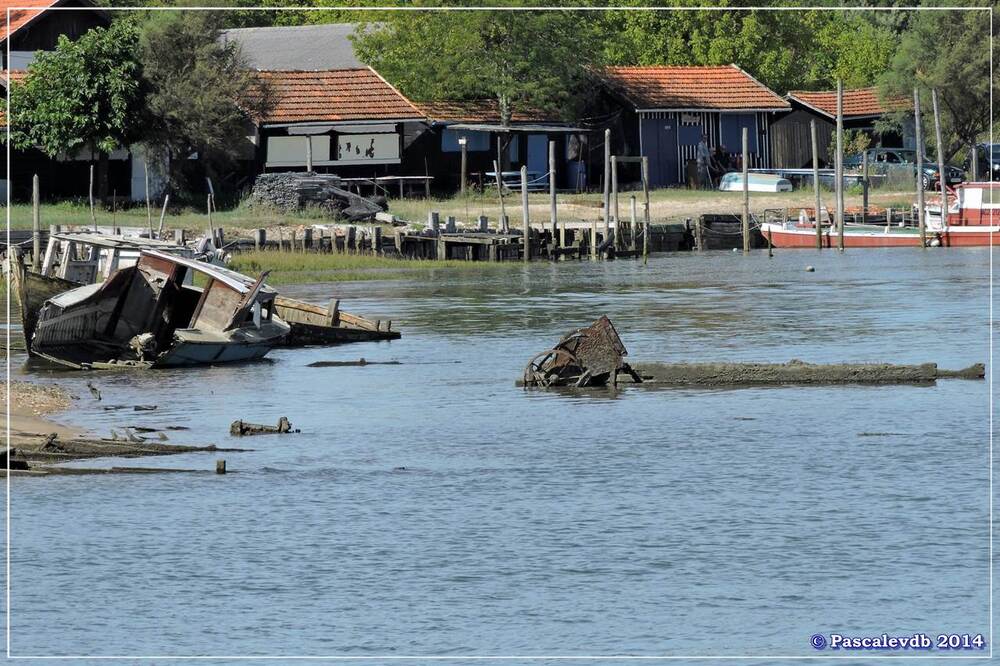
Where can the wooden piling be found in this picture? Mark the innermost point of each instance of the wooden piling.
(839, 165)
(307, 239)
(864, 187)
(614, 198)
(921, 221)
(819, 201)
(163, 215)
(607, 182)
(632, 218)
(93, 215)
(451, 225)
(942, 174)
(259, 239)
(434, 222)
(496, 172)
(36, 224)
(465, 163)
(699, 233)
(149, 205)
(179, 236)
(309, 153)
(377, 241)
(291, 244)
(645, 194)
(553, 209)
(746, 192)
(220, 466)
(484, 224)
(525, 222)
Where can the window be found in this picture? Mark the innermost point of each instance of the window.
(476, 141)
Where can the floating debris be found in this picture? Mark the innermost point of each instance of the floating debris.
(244, 429)
(342, 364)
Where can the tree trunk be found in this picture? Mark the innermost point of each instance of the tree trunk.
(103, 177)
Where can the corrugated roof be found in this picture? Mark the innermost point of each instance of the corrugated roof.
(721, 88)
(479, 111)
(21, 17)
(335, 95)
(858, 102)
(303, 47)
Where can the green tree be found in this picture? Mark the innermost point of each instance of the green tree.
(949, 51)
(521, 59)
(84, 95)
(202, 97)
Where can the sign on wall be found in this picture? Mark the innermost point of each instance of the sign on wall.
(366, 148)
(291, 150)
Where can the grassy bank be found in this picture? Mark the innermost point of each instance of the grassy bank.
(667, 205)
(291, 268)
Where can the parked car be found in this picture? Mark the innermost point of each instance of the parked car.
(886, 161)
(989, 161)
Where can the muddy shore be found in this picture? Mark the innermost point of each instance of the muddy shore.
(39, 446)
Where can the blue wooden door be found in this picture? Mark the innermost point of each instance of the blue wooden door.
(538, 156)
(659, 144)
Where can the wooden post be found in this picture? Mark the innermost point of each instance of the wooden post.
(450, 224)
(496, 172)
(942, 174)
(93, 215)
(309, 153)
(607, 182)
(645, 226)
(614, 197)
(465, 163)
(258, 239)
(434, 222)
(220, 466)
(974, 163)
(553, 212)
(36, 224)
(864, 187)
(746, 192)
(179, 236)
(377, 241)
(699, 233)
(163, 215)
(525, 223)
(291, 243)
(839, 170)
(562, 234)
(819, 201)
(632, 217)
(921, 219)
(149, 208)
(307, 239)
(484, 224)
(211, 227)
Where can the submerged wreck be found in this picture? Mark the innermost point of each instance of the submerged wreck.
(595, 356)
(151, 314)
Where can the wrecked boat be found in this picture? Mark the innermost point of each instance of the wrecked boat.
(316, 325)
(595, 356)
(151, 314)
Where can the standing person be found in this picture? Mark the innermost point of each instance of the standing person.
(720, 163)
(704, 159)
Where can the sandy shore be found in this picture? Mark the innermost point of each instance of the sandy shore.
(30, 404)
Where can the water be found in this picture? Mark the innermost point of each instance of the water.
(642, 522)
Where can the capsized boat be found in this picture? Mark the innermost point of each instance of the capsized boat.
(146, 315)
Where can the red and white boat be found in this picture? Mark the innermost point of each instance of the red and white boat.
(973, 219)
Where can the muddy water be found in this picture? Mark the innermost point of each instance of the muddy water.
(430, 508)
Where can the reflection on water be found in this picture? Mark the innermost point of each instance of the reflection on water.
(433, 508)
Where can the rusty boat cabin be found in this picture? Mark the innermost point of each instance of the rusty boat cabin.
(152, 314)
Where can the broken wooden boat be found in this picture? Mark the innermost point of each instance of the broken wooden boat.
(72, 259)
(595, 356)
(315, 325)
(152, 315)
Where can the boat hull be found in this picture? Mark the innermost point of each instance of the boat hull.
(805, 237)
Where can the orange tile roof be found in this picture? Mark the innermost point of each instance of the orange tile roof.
(21, 17)
(334, 95)
(14, 75)
(478, 111)
(858, 102)
(722, 88)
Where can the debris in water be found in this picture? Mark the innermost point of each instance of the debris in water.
(341, 364)
(94, 391)
(144, 408)
(810, 269)
(244, 429)
(590, 356)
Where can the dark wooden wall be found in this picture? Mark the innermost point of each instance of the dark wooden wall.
(791, 142)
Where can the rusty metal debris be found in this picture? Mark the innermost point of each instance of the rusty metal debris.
(244, 429)
(591, 356)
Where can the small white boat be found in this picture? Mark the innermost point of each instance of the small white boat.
(150, 315)
(756, 182)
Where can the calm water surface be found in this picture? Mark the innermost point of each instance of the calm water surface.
(432, 508)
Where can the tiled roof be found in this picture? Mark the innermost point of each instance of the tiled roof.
(21, 17)
(334, 95)
(478, 111)
(858, 102)
(725, 88)
(14, 75)
(301, 47)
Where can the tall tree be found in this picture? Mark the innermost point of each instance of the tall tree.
(84, 95)
(949, 51)
(202, 97)
(520, 59)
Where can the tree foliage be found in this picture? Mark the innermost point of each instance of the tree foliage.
(85, 93)
(202, 96)
(948, 51)
(521, 59)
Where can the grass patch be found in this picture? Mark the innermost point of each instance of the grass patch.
(293, 268)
